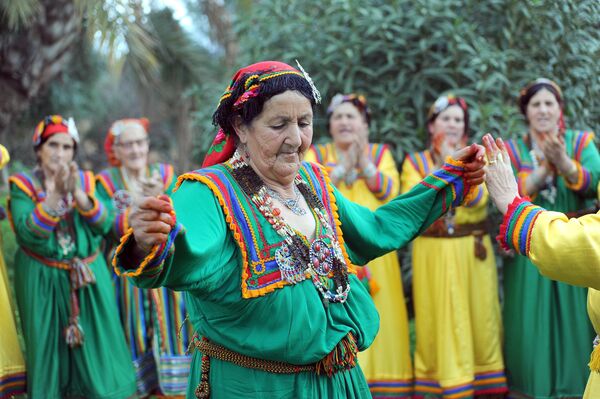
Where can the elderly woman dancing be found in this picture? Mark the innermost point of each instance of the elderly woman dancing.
(263, 244)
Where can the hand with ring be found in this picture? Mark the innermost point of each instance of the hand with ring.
(499, 178)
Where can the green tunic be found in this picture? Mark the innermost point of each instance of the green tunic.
(269, 319)
(101, 367)
(547, 332)
(151, 318)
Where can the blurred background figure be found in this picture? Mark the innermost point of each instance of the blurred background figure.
(151, 318)
(74, 341)
(547, 332)
(12, 365)
(455, 287)
(366, 173)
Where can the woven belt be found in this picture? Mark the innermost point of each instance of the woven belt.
(80, 275)
(440, 230)
(342, 357)
(59, 264)
(478, 230)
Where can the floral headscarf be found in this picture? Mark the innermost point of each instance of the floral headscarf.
(250, 77)
(358, 100)
(115, 131)
(445, 102)
(51, 125)
(533, 87)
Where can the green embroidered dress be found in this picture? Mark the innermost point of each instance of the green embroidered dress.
(100, 367)
(222, 254)
(151, 318)
(548, 335)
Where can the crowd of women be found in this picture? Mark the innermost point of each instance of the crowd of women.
(291, 281)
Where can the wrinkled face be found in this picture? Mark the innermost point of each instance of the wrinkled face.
(131, 147)
(543, 112)
(58, 149)
(345, 123)
(277, 139)
(450, 122)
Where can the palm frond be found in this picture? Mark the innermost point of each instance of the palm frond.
(18, 13)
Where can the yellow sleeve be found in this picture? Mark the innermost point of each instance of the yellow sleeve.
(410, 176)
(562, 249)
(4, 156)
(388, 179)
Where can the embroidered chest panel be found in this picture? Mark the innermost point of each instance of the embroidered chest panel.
(256, 238)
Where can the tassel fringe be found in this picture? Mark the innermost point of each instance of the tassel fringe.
(342, 357)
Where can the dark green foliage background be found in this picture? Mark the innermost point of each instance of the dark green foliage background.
(402, 54)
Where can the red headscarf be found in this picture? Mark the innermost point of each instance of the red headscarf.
(51, 125)
(223, 145)
(115, 131)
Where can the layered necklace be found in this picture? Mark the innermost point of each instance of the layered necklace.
(298, 259)
(549, 190)
(292, 204)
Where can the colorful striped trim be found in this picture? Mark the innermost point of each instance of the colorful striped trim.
(517, 225)
(40, 222)
(87, 182)
(260, 274)
(491, 382)
(583, 179)
(96, 215)
(321, 153)
(107, 181)
(377, 151)
(168, 174)
(383, 188)
(422, 162)
(25, 184)
(475, 197)
(514, 154)
(13, 384)
(450, 175)
(581, 142)
(391, 389)
(153, 263)
(121, 224)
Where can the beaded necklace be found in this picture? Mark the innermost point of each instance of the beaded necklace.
(548, 191)
(298, 259)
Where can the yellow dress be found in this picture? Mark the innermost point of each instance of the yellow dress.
(12, 365)
(386, 364)
(563, 250)
(455, 290)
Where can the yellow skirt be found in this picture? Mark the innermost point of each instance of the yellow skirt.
(386, 363)
(457, 319)
(12, 365)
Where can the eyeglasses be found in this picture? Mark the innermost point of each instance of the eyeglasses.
(128, 145)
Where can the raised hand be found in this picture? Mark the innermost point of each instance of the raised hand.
(152, 186)
(499, 178)
(152, 219)
(473, 158)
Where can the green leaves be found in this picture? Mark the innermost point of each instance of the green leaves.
(403, 54)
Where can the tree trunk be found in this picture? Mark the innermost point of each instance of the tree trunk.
(221, 28)
(34, 55)
(183, 126)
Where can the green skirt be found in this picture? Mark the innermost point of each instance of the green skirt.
(228, 380)
(101, 368)
(548, 336)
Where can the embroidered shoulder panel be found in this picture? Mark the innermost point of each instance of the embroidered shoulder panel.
(27, 184)
(111, 180)
(255, 237)
(422, 162)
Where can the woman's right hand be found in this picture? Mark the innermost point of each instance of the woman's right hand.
(151, 219)
(499, 178)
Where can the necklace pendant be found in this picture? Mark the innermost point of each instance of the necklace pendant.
(290, 268)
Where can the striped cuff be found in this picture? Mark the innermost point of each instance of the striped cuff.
(474, 198)
(121, 225)
(40, 221)
(95, 216)
(583, 179)
(450, 175)
(383, 189)
(516, 228)
(152, 264)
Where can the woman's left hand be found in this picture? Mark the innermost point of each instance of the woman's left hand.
(555, 151)
(499, 178)
(473, 159)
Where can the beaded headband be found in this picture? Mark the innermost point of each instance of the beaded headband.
(444, 102)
